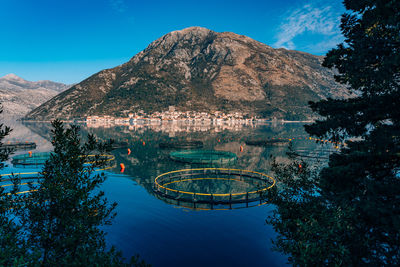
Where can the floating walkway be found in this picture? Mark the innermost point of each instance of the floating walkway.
(119, 145)
(31, 159)
(212, 157)
(311, 153)
(40, 158)
(18, 146)
(285, 141)
(181, 144)
(268, 142)
(34, 176)
(165, 186)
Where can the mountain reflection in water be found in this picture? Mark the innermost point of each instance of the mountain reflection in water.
(165, 234)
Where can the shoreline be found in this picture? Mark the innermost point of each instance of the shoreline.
(149, 121)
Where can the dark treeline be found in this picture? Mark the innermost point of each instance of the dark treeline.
(348, 214)
(58, 222)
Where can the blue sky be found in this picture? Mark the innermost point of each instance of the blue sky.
(67, 41)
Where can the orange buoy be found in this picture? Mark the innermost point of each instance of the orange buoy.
(129, 151)
(300, 168)
(30, 153)
(241, 148)
(122, 167)
(144, 143)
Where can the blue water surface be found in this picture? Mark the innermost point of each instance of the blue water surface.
(167, 235)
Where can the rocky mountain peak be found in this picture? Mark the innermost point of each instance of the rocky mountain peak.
(202, 70)
(12, 76)
(191, 31)
(19, 96)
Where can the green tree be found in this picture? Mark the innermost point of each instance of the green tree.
(308, 227)
(351, 217)
(62, 215)
(12, 246)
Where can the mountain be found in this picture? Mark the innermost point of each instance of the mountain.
(199, 69)
(18, 96)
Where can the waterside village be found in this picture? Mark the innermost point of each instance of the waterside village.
(141, 118)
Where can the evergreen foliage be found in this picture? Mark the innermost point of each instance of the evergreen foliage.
(59, 222)
(11, 247)
(351, 216)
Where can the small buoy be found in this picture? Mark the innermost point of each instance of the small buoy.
(129, 151)
(241, 148)
(30, 153)
(144, 143)
(300, 168)
(219, 140)
(122, 167)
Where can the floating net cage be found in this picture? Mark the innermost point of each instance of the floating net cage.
(33, 159)
(208, 188)
(211, 157)
(19, 146)
(315, 154)
(119, 145)
(40, 158)
(268, 142)
(107, 162)
(181, 144)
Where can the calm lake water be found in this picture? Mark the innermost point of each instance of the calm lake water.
(169, 235)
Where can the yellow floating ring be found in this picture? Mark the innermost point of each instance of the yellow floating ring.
(162, 181)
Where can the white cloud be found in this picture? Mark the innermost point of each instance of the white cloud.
(314, 19)
(326, 44)
(118, 5)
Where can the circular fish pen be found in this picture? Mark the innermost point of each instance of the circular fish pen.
(212, 157)
(107, 162)
(213, 186)
(40, 158)
(181, 144)
(33, 159)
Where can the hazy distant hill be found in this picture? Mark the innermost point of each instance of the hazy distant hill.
(19, 96)
(199, 69)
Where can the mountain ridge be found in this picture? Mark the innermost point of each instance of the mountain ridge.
(19, 96)
(194, 66)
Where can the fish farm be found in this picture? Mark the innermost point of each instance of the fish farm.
(212, 157)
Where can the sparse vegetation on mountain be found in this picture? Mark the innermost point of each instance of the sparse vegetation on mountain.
(19, 96)
(198, 69)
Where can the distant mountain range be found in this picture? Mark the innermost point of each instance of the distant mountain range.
(202, 70)
(18, 96)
